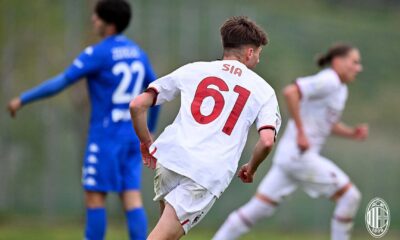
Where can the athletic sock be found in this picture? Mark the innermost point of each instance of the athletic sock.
(232, 228)
(137, 223)
(95, 224)
(240, 221)
(346, 209)
(340, 230)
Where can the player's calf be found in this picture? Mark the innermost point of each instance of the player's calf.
(346, 209)
(96, 222)
(239, 222)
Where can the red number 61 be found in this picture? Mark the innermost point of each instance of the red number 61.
(204, 91)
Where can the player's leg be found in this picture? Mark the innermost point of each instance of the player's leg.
(94, 182)
(241, 220)
(186, 204)
(162, 207)
(275, 185)
(168, 227)
(96, 220)
(347, 202)
(135, 214)
(131, 169)
(328, 180)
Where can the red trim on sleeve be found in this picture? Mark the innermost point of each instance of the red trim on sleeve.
(155, 91)
(298, 88)
(267, 127)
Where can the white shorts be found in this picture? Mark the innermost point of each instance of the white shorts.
(316, 175)
(190, 200)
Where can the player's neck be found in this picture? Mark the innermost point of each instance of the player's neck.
(340, 76)
(232, 57)
(109, 32)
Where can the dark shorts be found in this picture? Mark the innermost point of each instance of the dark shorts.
(111, 165)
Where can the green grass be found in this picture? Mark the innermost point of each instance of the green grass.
(57, 231)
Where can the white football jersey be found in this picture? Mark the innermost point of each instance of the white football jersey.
(323, 98)
(220, 100)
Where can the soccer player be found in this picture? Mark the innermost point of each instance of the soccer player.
(117, 70)
(197, 155)
(315, 104)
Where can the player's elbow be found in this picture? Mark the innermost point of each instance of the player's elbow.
(290, 91)
(132, 105)
(136, 106)
(267, 138)
(267, 143)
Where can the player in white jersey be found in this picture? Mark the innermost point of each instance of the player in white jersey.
(315, 104)
(197, 155)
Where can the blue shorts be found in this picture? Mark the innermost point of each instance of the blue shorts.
(111, 165)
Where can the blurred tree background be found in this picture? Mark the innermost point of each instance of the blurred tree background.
(42, 149)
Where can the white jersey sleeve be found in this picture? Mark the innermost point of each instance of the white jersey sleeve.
(269, 115)
(319, 85)
(167, 87)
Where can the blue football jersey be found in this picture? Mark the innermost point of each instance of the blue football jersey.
(117, 70)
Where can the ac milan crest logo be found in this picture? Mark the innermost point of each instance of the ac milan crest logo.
(377, 217)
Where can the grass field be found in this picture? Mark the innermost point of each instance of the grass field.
(36, 231)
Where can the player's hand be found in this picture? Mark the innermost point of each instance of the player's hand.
(148, 160)
(302, 142)
(13, 106)
(361, 132)
(246, 174)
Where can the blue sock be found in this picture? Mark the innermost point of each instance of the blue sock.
(95, 223)
(137, 223)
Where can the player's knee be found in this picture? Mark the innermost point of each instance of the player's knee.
(131, 199)
(255, 210)
(266, 209)
(358, 193)
(348, 204)
(94, 199)
(353, 195)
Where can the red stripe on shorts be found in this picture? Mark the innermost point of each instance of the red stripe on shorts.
(184, 222)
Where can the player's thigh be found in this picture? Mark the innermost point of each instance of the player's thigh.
(100, 170)
(95, 199)
(131, 199)
(111, 165)
(276, 184)
(168, 227)
(320, 176)
(191, 202)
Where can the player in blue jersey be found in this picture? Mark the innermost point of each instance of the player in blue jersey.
(116, 70)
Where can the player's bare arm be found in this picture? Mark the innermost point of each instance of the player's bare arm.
(292, 96)
(13, 106)
(46, 89)
(138, 109)
(260, 152)
(358, 132)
